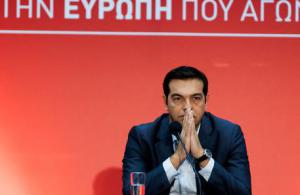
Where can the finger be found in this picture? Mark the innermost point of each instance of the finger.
(192, 125)
(186, 116)
(185, 123)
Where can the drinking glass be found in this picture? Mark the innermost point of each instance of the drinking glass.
(137, 183)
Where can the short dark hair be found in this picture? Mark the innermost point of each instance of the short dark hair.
(184, 73)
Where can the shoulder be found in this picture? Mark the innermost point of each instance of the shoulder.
(219, 122)
(148, 129)
(230, 135)
(224, 127)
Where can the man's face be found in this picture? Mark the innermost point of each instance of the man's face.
(186, 94)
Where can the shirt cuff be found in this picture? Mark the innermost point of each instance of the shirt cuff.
(207, 170)
(171, 172)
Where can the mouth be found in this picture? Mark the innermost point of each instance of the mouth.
(181, 116)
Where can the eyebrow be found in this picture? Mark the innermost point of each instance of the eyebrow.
(198, 94)
(195, 94)
(175, 94)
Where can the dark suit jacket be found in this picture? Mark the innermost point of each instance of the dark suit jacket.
(149, 145)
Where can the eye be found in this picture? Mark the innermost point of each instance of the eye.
(176, 98)
(197, 98)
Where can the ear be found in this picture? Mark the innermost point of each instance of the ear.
(165, 102)
(206, 101)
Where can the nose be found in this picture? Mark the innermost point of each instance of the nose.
(187, 105)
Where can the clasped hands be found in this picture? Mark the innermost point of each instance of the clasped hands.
(190, 139)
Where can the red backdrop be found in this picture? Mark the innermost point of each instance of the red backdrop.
(67, 102)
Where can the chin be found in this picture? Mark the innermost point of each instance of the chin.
(180, 120)
(197, 121)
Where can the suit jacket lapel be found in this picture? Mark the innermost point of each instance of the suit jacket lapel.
(163, 145)
(207, 135)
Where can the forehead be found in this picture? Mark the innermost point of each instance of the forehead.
(186, 87)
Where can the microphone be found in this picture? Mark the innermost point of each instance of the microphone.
(175, 129)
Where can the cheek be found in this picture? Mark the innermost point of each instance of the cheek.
(200, 109)
(172, 106)
(174, 109)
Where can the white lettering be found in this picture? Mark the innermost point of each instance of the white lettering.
(159, 9)
(215, 10)
(28, 7)
(48, 10)
(297, 7)
(249, 7)
(262, 8)
(226, 8)
(128, 15)
(289, 11)
(88, 6)
(6, 8)
(102, 8)
(148, 9)
(195, 2)
(69, 8)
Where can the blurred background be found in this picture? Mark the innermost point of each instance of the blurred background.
(67, 102)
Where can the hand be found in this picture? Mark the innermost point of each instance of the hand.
(179, 156)
(195, 145)
(186, 130)
(196, 148)
(190, 139)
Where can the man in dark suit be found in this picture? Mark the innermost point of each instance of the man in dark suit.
(216, 145)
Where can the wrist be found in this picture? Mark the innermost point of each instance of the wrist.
(175, 160)
(203, 163)
(203, 160)
(199, 153)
